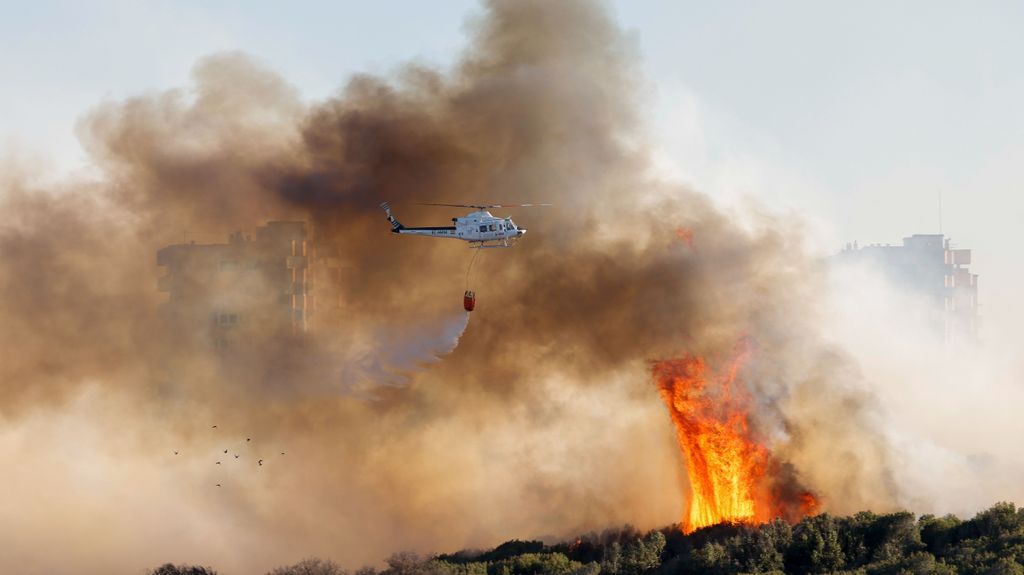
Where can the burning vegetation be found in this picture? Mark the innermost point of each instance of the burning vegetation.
(730, 472)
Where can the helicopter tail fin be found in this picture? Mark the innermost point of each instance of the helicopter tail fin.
(395, 224)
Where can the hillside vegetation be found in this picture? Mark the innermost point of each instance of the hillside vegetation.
(868, 543)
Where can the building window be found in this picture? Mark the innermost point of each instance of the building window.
(227, 318)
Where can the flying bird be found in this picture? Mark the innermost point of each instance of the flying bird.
(247, 439)
(218, 485)
(225, 451)
(261, 463)
(282, 453)
(214, 427)
(218, 463)
(175, 452)
(236, 456)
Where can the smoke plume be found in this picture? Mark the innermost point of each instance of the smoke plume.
(541, 420)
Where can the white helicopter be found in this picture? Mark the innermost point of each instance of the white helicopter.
(479, 228)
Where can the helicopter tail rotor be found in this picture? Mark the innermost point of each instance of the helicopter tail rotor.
(395, 224)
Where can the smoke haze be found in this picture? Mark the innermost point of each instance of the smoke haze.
(406, 424)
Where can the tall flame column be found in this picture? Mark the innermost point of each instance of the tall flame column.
(726, 467)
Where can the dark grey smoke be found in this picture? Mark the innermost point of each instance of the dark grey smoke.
(543, 419)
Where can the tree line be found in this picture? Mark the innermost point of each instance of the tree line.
(991, 543)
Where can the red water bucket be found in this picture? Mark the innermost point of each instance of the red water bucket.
(469, 301)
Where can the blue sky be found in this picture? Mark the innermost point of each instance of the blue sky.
(857, 115)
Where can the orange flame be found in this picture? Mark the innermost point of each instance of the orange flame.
(729, 471)
(808, 504)
(686, 235)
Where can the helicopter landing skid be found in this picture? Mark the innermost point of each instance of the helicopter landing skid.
(502, 243)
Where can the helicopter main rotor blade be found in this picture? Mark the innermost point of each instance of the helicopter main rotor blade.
(457, 205)
(484, 207)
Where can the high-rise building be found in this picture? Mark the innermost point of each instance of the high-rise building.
(246, 290)
(929, 266)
